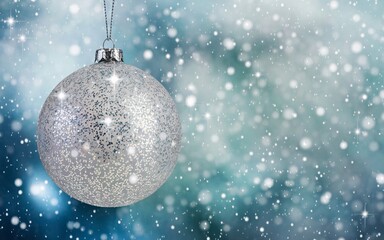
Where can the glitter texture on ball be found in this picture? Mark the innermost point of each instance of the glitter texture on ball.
(109, 134)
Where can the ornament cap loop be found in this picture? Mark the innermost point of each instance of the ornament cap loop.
(109, 55)
(109, 39)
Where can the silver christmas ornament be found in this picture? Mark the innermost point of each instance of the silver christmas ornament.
(109, 133)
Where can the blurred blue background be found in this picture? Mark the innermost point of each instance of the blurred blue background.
(281, 105)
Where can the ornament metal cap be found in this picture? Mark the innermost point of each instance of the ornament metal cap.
(109, 55)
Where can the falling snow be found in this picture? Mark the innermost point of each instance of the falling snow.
(281, 104)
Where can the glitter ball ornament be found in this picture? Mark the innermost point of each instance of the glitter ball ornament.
(109, 133)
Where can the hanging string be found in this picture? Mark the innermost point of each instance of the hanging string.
(109, 33)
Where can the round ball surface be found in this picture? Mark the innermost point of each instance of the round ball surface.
(109, 134)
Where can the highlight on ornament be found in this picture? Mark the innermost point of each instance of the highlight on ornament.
(109, 134)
